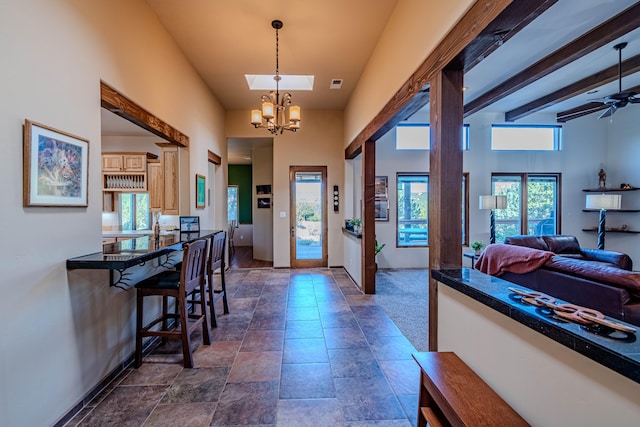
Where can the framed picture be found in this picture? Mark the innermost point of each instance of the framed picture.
(56, 167)
(263, 189)
(381, 211)
(381, 187)
(264, 202)
(200, 191)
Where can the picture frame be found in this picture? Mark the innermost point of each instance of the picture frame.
(263, 189)
(381, 210)
(200, 191)
(264, 202)
(55, 167)
(381, 184)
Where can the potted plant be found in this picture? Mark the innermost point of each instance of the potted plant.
(477, 246)
(357, 224)
(378, 248)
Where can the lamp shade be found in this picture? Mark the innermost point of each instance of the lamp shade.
(493, 202)
(604, 201)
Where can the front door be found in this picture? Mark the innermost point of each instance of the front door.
(308, 213)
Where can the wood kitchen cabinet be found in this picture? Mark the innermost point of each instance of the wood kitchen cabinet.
(169, 159)
(125, 171)
(155, 176)
(125, 162)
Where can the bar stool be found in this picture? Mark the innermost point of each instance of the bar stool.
(216, 261)
(179, 285)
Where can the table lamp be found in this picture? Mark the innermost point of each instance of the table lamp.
(492, 202)
(603, 202)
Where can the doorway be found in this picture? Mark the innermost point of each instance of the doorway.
(308, 213)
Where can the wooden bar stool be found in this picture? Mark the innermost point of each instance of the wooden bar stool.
(216, 261)
(179, 285)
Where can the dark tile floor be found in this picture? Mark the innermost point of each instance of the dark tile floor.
(299, 348)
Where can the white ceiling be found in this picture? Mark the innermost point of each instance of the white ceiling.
(224, 40)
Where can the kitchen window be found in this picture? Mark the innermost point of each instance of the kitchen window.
(135, 212)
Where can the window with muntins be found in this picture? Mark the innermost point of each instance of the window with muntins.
(413, 209)
(533, 204)
(134, 211)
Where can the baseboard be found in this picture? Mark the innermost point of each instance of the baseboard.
(97, 389)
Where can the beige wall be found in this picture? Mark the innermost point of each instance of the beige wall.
(64, 330)
(318, 143)
(413, 31)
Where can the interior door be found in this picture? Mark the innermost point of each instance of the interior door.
(308, 216)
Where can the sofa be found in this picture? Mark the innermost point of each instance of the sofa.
(556, 265)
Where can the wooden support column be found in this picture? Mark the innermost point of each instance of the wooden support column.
(445, 182)
(367, 249)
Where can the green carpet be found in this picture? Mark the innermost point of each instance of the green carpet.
(403, 294)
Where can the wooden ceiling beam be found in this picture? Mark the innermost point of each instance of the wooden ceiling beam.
(599, 36)
(514, 18)
(598, 79)
(414, 93)
(585, 109)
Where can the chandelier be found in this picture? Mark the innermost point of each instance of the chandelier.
(274, 107)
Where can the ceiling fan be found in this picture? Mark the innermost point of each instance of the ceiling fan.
(620, 99)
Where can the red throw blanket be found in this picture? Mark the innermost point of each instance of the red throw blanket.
(499, 258)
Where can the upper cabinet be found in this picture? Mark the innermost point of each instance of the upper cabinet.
(170, 161)
(125, 171)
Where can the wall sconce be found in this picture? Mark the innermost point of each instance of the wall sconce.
(603, 202)
(336, 199)
(492, 202)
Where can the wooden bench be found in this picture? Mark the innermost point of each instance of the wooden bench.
(451, 394)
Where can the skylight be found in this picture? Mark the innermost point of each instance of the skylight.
(288, 82)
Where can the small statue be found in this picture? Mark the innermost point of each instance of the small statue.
(602, 179)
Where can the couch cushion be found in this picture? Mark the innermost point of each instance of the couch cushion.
(601, 272)
(535, 242)
(561, 244)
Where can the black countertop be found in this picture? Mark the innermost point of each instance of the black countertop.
(127, 253)
(616, 350)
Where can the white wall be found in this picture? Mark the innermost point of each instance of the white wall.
(65, 330)
(262, 174)
(351, 202)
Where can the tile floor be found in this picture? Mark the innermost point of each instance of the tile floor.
(299, 348)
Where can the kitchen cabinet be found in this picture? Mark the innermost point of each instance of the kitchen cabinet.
(124, 162)
(125, 171)
(155, 177)
(169, 159)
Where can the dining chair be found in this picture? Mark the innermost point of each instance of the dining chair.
(216, 262)
(232, 229)
(180, 285)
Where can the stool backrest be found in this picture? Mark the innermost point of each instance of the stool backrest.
(216, 252)
(194, 261)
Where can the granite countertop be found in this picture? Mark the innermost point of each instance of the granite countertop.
(616, 350)
(127, 253)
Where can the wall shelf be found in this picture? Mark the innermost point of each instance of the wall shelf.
(613, 230)
(609, 190)
(611, 210)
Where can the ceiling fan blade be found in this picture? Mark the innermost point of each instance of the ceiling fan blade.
(608, 112)
(633, 100)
